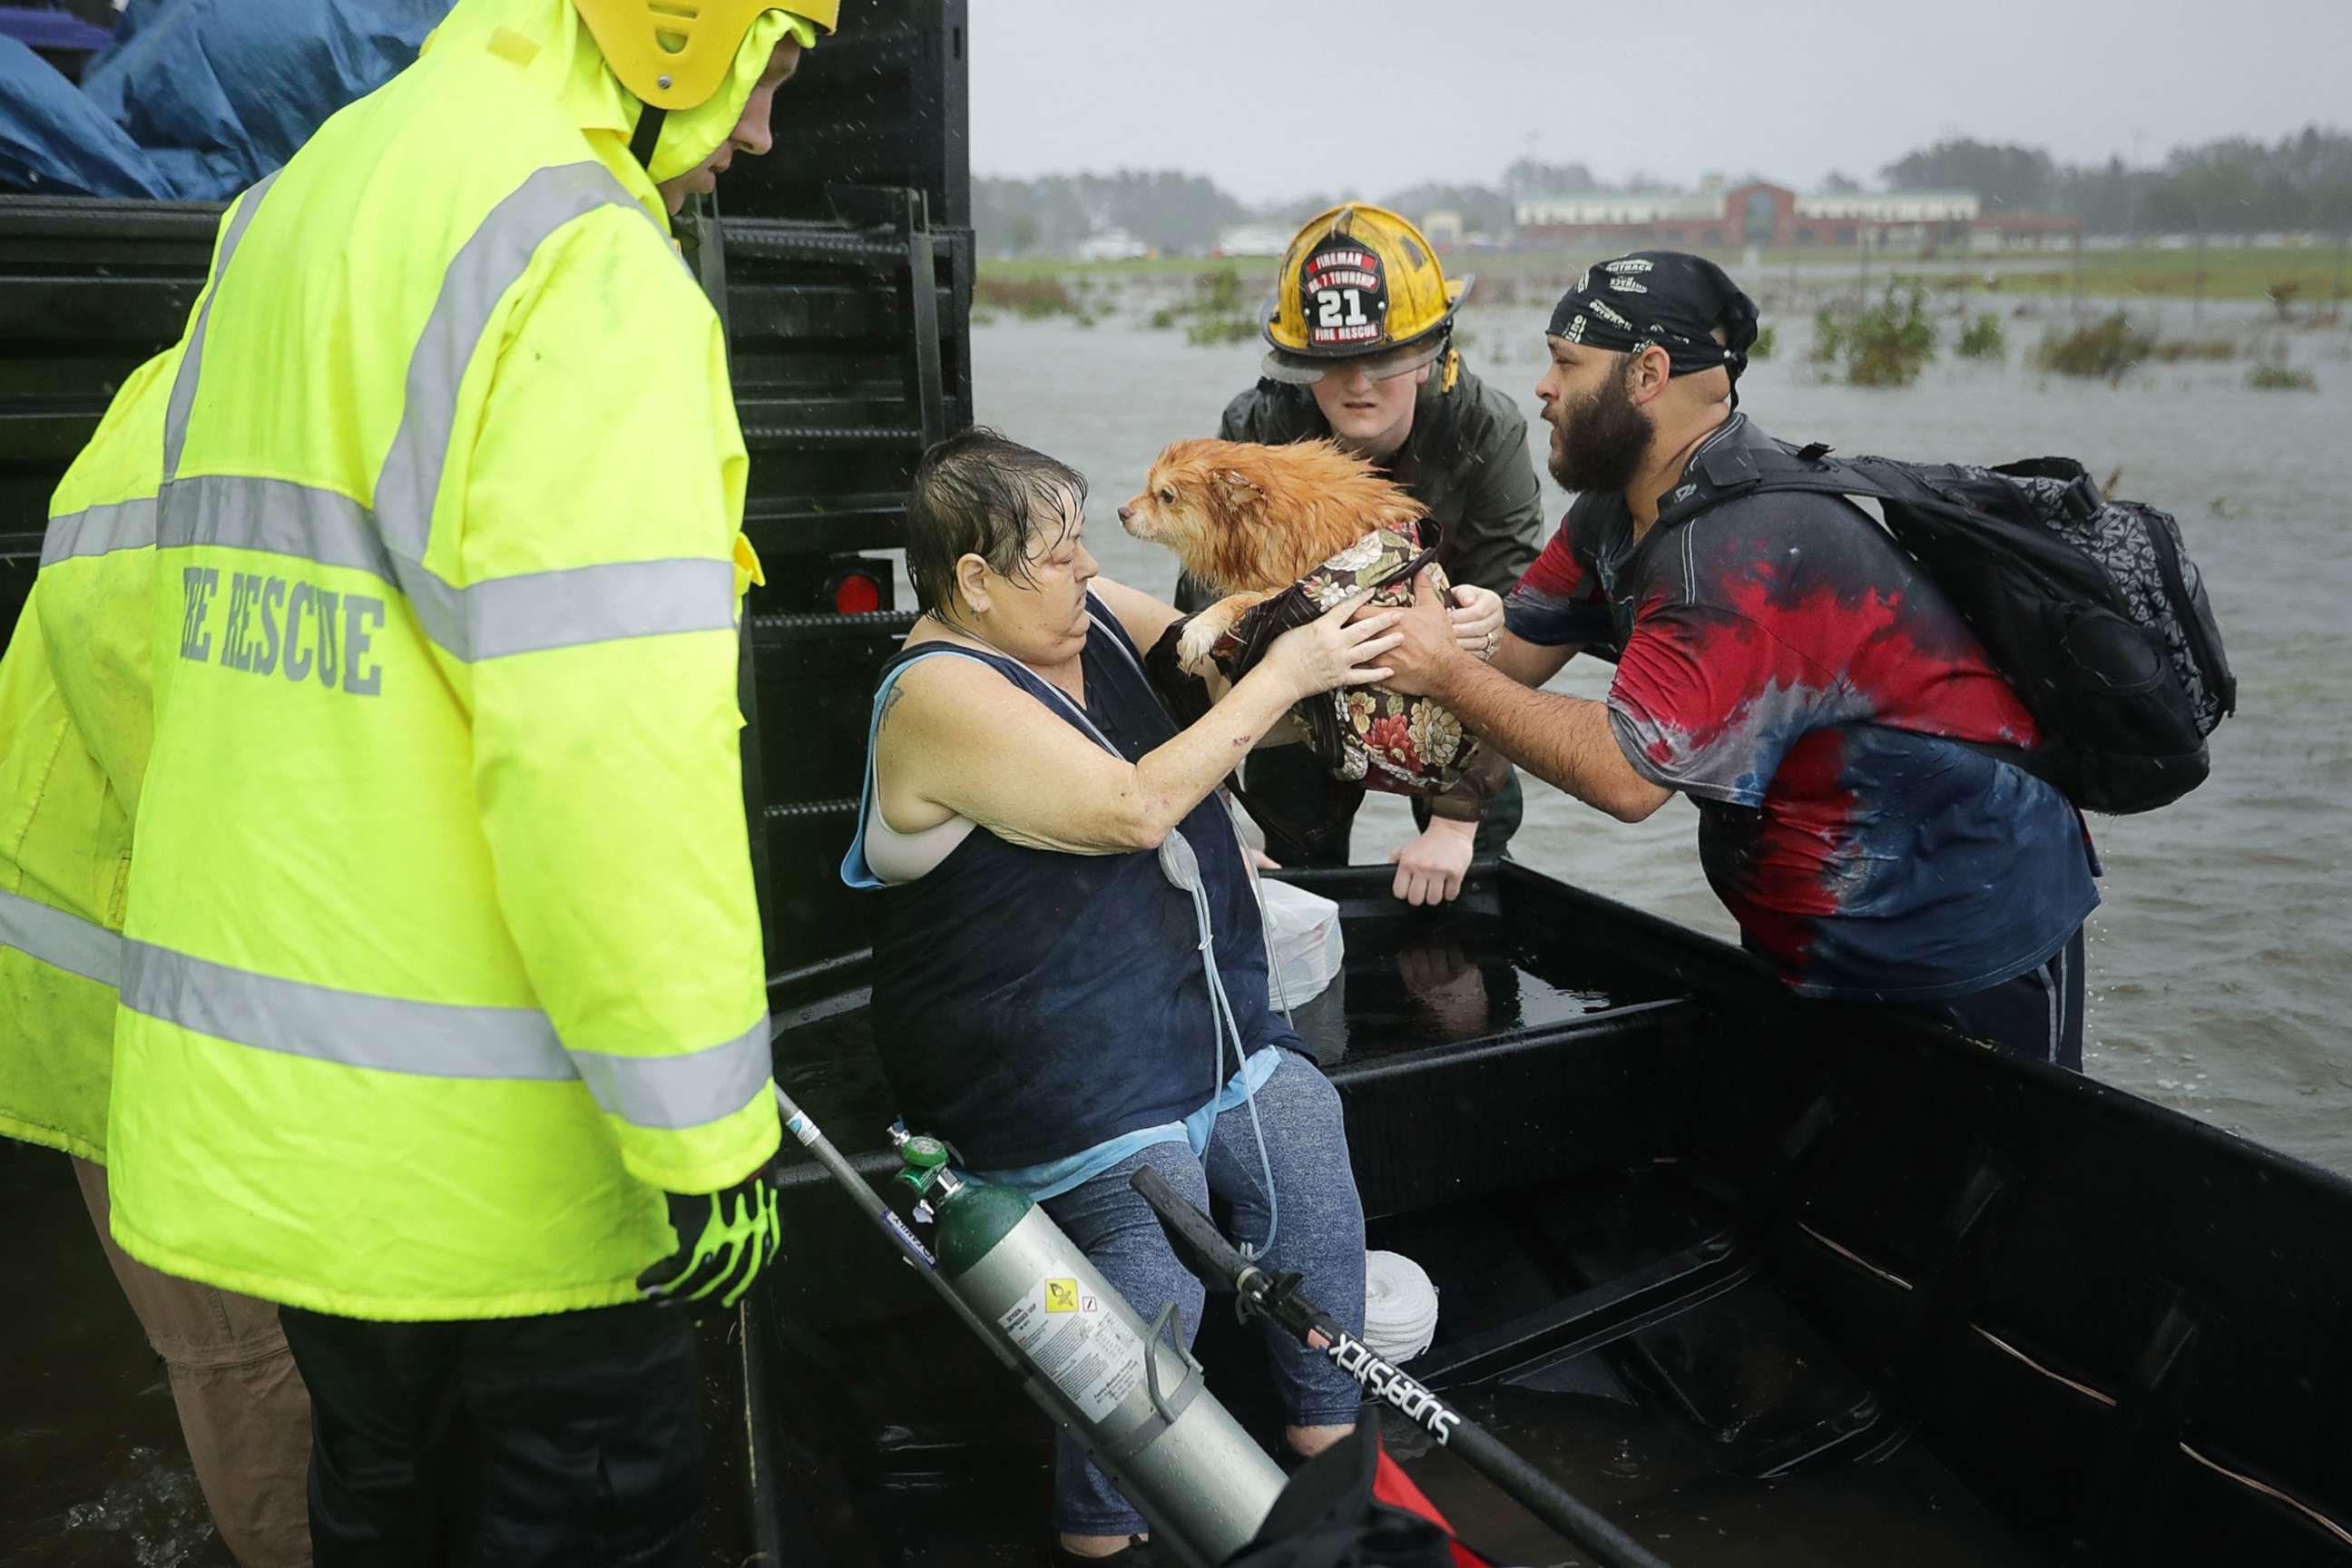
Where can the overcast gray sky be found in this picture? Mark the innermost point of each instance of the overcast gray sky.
(1277, 98)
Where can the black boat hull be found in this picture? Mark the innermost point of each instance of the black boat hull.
(1714, 1256)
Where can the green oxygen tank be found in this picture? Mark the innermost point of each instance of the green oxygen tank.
(1130, 1392)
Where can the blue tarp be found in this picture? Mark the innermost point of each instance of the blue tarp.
(195, 99)
(45, 28)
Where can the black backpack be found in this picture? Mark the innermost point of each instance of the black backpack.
(2089, 606)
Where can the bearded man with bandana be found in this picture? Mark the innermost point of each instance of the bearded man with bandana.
(1784, 664)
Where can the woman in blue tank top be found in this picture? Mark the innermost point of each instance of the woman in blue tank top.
(1041, 995)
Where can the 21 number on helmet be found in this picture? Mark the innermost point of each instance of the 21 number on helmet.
(1327, 308)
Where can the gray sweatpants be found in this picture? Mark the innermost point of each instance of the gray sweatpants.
(1321, 1237)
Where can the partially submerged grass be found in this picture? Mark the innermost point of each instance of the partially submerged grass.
(2104, 350)
(2172, 351)
(1983, 338)
(1829, 337)
(1217, 310)
(2292, 274)
(2280, 378)
(1042, 298)
(1030, 298)
(2302, 275)
(1887, 345)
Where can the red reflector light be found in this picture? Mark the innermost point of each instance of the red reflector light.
(856, 595)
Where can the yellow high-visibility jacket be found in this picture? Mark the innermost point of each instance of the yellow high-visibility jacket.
(440, 958)
(65, 857)
(74, 728)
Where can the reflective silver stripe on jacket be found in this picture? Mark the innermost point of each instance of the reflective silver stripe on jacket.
(59, 940)
(682, 1090)
(184, 384)
(542, 610)
(491, 261)
(528, 613)
(276, 516)
(438, 1039)
(100, 530)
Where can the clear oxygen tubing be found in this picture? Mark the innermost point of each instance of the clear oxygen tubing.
(1182, 866)
(1264, 924)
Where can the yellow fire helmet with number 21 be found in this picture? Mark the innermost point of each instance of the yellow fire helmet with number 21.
(674, 54)
(1360, 282)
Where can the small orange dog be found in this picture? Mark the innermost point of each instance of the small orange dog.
(1250, 521)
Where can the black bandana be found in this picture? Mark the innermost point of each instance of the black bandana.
(1663, 297)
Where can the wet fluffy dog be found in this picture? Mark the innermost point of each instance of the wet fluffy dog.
(1250, 521)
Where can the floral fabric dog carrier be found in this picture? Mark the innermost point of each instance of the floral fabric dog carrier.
(1367, 734)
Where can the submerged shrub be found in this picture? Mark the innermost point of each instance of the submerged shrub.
(1890, 343)
(2106, 349)
(2280, 378)
(1215, 329)
(1829, 337)
(2173, 349)
(1983, 338)
(1216, 310)
(1030, 298)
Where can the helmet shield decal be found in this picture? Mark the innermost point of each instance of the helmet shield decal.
(1343, 292)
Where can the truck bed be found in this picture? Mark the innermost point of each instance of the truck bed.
(1767, 1291)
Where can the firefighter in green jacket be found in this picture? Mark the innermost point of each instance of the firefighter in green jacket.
(1359, 350)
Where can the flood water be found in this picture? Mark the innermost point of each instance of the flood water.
(2219, 973)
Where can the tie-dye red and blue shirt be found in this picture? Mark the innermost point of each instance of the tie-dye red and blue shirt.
(1783, 664)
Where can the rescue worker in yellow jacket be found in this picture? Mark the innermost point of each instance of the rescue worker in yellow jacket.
(65, 840)
(442, 1011)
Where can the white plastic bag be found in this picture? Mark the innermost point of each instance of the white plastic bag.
(1302, 937)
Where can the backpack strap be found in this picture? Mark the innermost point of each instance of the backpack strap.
(1726, 473)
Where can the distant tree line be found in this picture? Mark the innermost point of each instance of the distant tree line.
(2236, 186)
(1169, 211)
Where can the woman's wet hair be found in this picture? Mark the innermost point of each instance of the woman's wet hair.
(977, 494)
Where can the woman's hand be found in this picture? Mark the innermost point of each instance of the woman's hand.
(1331, 650)
(1478, 616)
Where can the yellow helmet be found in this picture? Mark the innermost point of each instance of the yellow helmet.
(1359, 281)
(674, 54)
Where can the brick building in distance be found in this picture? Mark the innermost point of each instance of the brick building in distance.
(1775, 217)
